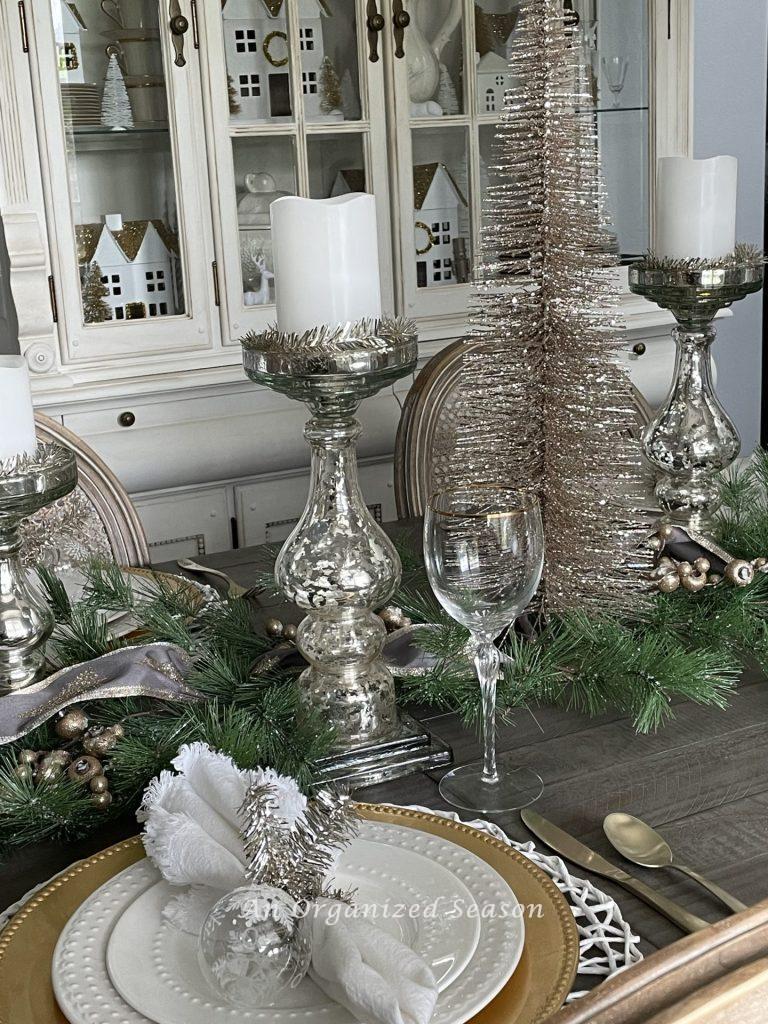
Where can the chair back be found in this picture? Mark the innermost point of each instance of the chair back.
(427, 429)
(96, 519)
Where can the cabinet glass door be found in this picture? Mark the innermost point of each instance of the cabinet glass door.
(297, 109)
(449, 94)
(131, 197)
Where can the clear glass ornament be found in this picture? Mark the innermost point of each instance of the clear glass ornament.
(252, 946)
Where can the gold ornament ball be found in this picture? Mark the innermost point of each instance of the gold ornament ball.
(62, 757)
(669, 583)
(23, 771)
(101, 800)
(702, 565)
(118, 730)
(100, 743)
(739, 573)
(72, 725)
(99, 784)
(274, 628)
(665, 531)
(655, 543)
(714, 578)
(684, 569)
(694, 581)
(27, 756)
(290, 632)
(758, 563)
(392, 618)
(84, 768)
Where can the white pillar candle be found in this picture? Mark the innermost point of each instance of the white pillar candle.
(326, 259)
(17, 420)
(696, 207)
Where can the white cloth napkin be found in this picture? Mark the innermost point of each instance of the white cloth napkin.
(369, 972)
(192, 835)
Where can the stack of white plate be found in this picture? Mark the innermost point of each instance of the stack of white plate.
(81, 104)
(117, 959)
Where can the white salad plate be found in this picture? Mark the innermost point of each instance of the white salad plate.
(117, 959)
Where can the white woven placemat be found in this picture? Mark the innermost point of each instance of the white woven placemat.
(607, 944)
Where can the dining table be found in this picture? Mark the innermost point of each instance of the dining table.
(701, 780)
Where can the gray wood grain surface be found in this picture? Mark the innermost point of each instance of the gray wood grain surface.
(702, 780)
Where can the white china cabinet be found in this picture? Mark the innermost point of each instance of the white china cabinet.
(141, 144)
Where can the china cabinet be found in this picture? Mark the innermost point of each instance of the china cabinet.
(141, 144)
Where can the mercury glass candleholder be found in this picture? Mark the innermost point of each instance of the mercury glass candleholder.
(338, 565)
(27, 484)
(692, 439)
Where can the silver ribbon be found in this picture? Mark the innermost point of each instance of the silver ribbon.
(149, 670)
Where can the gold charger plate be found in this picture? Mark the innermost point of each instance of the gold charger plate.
(538, 987)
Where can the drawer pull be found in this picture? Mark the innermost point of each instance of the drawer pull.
(639, 348)
(126, 419)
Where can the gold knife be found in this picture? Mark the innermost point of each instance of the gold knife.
(569, 847)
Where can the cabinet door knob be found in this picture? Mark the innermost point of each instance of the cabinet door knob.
(126, 419)
(375, 22)
(178, 25)
(401, 19)
(639, 348)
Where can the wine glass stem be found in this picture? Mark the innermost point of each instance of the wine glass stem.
(487, 662)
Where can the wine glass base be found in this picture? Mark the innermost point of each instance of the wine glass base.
(517, 787)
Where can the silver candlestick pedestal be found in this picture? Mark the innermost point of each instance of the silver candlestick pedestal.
(692, 440)
(338, 565)
(27, 484)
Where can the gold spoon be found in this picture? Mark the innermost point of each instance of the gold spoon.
(643, 845)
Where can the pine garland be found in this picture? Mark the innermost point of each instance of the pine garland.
(679, 646)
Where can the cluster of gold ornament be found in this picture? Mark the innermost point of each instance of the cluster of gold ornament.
(83, 765)
(278, 630)
(669, 575)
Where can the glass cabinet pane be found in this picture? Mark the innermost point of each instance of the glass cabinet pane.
(613, 36)
(441, 213)
(434, 45)
(258, 56)
(330, 73)
(120, 162)
(265, 170)
(495, 21)
(336, 165)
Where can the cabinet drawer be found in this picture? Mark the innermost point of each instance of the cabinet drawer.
(267, 510)
(186, 524)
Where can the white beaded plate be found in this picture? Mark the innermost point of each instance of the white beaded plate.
(499, 946)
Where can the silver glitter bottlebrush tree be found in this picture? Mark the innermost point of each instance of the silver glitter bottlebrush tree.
(544, 401)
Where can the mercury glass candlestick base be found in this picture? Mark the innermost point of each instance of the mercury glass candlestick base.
(692, 439)
(338, 564)
(26, 485)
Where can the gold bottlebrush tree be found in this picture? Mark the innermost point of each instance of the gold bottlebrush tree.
(95, 309)
(544, 402)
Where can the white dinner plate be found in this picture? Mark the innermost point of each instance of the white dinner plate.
(156, 967)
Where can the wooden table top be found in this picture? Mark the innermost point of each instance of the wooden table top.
(702, 780)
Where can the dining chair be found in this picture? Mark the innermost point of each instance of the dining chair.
(428, 422)
(97, 518)
(716, 976)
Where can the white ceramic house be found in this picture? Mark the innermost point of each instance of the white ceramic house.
(69, 49)
(257, 56)
(493, 80)
(137, 261)
(437, 205)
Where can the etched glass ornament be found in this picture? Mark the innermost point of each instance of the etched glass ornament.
(252, 946)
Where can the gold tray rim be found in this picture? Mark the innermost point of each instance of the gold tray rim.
(521, 1001)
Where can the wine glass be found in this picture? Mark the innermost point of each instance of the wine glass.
(615, 71)
(484, 553)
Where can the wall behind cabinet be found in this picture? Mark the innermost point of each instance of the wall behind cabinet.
(729, 117)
